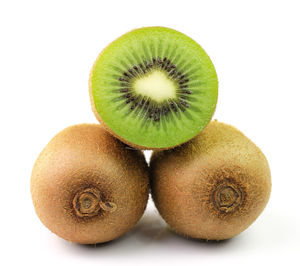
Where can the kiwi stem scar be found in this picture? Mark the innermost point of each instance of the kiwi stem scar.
(88, 203)
(227, 196)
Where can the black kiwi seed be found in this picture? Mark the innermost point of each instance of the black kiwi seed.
(131, 71)
(142, 102)
(156, 118)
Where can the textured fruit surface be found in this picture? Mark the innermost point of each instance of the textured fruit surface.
(88, 187)
(212, 187)
(154, 88)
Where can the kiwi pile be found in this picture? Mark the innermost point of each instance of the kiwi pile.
(153, 88)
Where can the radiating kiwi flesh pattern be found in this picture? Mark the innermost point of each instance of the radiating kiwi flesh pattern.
(153, 88)
(88, 187)
(212, 187)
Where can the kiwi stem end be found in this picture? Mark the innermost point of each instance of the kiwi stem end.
(88, 202)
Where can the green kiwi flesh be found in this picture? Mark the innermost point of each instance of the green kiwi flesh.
(88, 187)
(153, 88)
(212, 187)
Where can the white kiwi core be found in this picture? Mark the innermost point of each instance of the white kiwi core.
(155, 85)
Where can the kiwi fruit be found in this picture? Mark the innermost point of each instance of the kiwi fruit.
(212, 187)
(88, 187)
(153, 88)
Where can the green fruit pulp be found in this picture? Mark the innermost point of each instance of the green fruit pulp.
(132, 121)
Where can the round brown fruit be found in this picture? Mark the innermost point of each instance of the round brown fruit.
(214, 186)
(88, 187)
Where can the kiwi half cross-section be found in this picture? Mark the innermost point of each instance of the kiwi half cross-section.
(153, 88)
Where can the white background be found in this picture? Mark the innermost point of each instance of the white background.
(46, 52)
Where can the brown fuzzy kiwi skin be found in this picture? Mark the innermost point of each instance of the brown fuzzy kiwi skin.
(212, 187)
(85, 161)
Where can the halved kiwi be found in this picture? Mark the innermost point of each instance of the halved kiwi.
(212, 187)
(153, 88)
(87, 186)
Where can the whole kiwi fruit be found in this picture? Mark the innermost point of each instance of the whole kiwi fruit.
(212, 187)
(153, 88)
(88, 187)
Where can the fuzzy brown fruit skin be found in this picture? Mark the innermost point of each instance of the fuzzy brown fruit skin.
(88, 187)
(214, 186)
